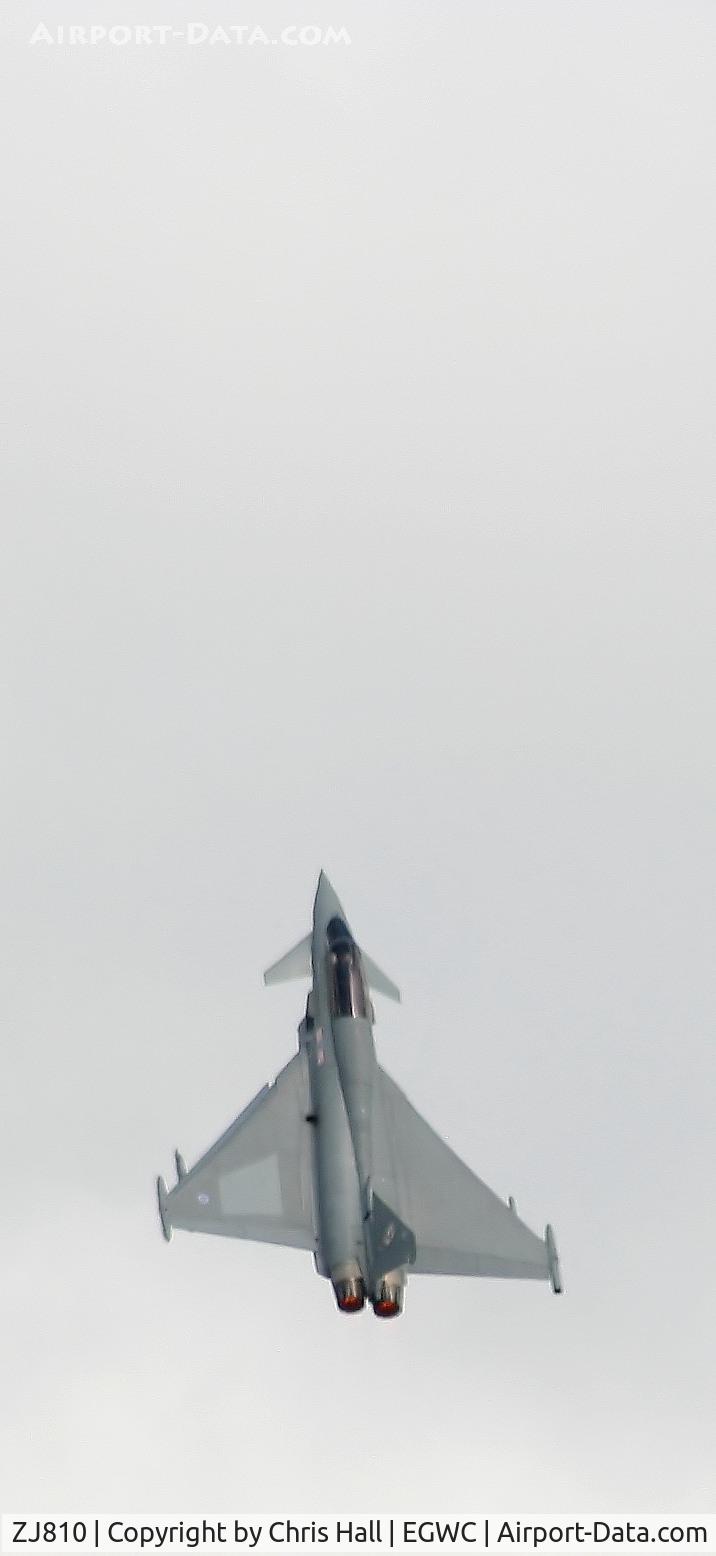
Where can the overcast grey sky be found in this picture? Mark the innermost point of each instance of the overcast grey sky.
(359, 513)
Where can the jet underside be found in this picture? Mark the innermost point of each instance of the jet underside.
(333, 1158)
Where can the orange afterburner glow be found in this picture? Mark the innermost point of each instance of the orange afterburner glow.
(350, 1294)
(385, 1308)
(350, 1303)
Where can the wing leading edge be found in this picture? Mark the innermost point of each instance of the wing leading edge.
(256, 1181)
(460, 1226)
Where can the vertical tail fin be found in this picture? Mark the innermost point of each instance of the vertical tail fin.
(390, 1242)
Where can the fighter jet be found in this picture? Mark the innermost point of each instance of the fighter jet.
(333, 1158)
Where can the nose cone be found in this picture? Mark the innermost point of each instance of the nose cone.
(326, 905)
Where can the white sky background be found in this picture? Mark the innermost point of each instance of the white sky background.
(359, 494)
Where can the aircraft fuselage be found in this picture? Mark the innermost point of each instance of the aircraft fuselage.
(337, 1036)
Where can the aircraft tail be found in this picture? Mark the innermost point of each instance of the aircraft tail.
(390, 1242)
(295, 964)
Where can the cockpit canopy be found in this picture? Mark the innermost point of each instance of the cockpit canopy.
(348, 993)
(338, 933)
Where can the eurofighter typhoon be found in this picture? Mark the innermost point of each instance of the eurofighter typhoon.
(333, 1158)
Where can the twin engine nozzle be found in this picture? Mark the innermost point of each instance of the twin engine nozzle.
(387, 1299)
